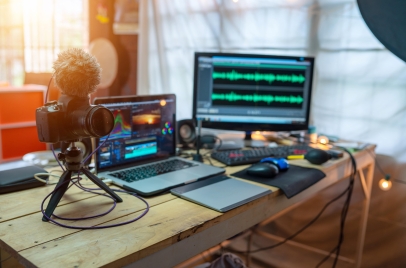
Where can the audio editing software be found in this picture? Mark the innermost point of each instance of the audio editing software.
(141, 130)
(250, 89)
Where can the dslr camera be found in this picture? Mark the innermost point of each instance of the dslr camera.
(71, 119)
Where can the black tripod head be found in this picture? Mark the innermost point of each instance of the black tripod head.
(72, 157)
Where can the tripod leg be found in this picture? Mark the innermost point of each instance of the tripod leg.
(57, 195)
(101, 184)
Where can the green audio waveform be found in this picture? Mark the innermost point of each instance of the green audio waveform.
(233, 75)
(256, 98)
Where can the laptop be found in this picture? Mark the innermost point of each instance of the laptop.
(140, 153)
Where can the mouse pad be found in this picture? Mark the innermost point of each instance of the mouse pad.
(291, 182)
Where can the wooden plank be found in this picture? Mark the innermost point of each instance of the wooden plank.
(172, 221)
(45, 231)
(21, 203)
(26, 202)
(164, 225)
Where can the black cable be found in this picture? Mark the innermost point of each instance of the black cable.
(344, 213)
(208, 159)
(215, 138)
(49, 84)
(211, 163)
(326, 257)
(298, 232)
(386, 175)
(185, 155)
(6, 259)
(220, 143)
(400, 181)
(377, 165)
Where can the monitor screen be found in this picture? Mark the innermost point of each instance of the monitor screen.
(252, 92)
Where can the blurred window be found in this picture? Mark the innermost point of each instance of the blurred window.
(33, 32)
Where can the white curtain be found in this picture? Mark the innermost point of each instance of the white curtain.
(359, 90)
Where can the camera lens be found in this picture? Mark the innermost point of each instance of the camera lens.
(93, 121)
(100, 121)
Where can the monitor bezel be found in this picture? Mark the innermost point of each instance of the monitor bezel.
(245, 126)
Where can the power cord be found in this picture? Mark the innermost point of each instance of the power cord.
(344, 211)
(49, 174)
(46, 181)
(76, 182)
(6, 259)
(214, 137)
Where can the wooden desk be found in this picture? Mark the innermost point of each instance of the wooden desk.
(173, 231)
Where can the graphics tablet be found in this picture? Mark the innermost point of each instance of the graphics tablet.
(221, 193)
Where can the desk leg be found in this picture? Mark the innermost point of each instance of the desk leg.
(366, 183)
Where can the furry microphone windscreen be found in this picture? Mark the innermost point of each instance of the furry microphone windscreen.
(77, 73)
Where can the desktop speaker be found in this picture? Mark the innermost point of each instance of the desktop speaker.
(186, 133)
(85, 145)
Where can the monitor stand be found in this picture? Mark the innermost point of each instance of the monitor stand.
(249, 142)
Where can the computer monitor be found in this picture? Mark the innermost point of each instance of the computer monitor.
(251, 92)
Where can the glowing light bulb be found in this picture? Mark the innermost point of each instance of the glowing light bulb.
(385, 184)
(235, 1)
(323, 140)
(163, 102)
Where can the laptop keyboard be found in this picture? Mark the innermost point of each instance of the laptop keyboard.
(144, 172)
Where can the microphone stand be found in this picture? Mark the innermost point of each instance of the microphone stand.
(73, 162)
(198, 157)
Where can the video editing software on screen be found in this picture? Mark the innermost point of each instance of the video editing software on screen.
(141, 130)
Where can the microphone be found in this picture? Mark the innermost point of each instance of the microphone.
(72, 118)
(77, 73)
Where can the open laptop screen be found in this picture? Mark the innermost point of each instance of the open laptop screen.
(144, 129)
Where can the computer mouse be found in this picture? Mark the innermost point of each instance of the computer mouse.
(281, 163)
(264, 170)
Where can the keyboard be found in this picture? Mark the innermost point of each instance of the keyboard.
(144, 172)
(244, 157)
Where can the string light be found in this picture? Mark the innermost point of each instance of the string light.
(385, 184)
(323, 140)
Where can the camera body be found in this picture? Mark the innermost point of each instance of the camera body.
(71, 119)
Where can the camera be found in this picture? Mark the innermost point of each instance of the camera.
(72, 118)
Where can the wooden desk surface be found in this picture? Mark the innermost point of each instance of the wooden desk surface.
(172, 231)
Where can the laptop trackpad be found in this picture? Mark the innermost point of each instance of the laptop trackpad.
(180, 176)
(151, 185)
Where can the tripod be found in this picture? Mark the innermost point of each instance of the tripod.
(73, 162)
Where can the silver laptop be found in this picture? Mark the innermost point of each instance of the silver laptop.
(139, 154)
